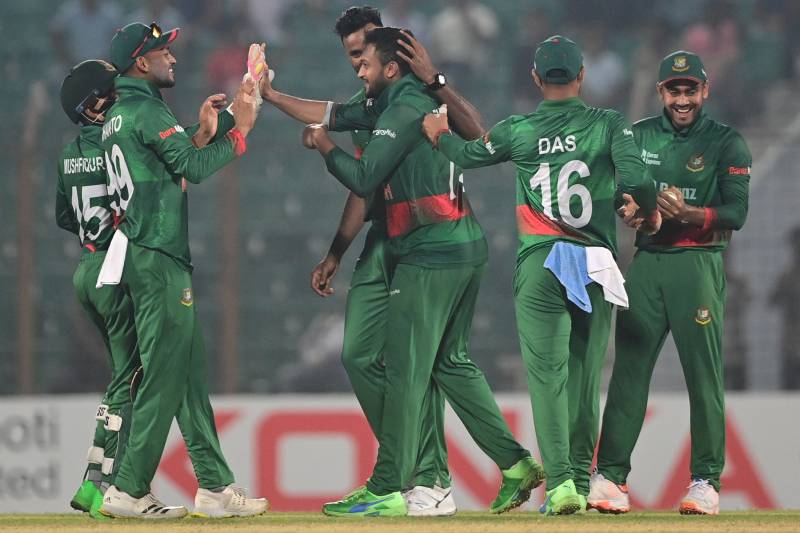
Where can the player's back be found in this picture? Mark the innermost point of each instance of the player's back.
(566, 172)
(83, 203)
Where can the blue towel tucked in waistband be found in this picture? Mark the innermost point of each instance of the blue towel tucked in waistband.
(567, 262)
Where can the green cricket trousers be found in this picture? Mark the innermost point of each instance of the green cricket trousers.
(111, 311)
(429, 320)
(174, 382)
(682, 292)
(363, 358)
(563, 349)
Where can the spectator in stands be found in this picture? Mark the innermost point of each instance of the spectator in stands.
(82, 29)
(160, 10)
(533, 27)
(404, 14)
(461, 35)
(786, 296)
(604, 85)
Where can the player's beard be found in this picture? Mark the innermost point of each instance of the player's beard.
(374, 89)
(166, 79)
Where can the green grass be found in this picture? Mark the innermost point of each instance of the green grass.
(751, 521)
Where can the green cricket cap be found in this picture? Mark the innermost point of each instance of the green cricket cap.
(682, 65)
(91, 78)
(135, 40)
(558, 60)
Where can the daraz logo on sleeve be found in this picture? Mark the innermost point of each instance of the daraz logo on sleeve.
(174, 129)
(388, 133)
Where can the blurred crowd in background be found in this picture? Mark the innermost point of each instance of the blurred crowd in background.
(258, 229)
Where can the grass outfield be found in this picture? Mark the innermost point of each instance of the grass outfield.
(753, 521)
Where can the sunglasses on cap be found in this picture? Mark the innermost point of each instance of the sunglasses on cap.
(155, 32)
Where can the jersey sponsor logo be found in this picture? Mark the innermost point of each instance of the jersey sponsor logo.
(171, 131)
(75, 165)
(112, 126)
(696, 163)
(650, 158)
(547, 146)
(488, 144)
(703, 316)
(689, 193)
(394, 292)
(186, 297)
(386, 132)
(680, 64)
(741, 171)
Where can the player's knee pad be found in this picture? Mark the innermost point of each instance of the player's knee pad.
(95, 455)
(102, 411)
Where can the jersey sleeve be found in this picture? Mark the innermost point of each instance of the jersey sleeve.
(225, 122)
(160, 131)
(396, 133)
(65, 217)
(733, 176)
(632, 176)
(356, 115)
(494, 147)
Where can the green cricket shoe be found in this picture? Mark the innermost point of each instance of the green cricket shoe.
(365, 503)
(518, 482)
(97, 503)
(82, 500)
(583, 502)
(563, 499)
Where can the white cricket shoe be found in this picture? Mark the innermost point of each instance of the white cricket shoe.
(122, 505)
(606, 496)
(232, 501)
(427, 501)
(702, 498)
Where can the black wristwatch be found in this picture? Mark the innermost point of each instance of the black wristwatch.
(438, 82)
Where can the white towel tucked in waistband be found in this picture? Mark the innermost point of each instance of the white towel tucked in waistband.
(604, 271)
(111, 271)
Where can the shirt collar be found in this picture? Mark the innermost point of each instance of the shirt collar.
(128, 85)
(667, 125)
(409, 81)
(561, 105)
(91, 134)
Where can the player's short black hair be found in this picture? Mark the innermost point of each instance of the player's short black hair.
(354, 18)
(385, 42)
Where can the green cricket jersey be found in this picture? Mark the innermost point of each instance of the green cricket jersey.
(375, 211)
(710, 163)
(147, 153)
(83, 205)
(428, 219)
(567, 155)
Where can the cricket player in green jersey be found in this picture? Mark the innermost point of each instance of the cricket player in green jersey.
(437, 252)
(368, 295)
(83, 208)
(676, 283)
(147, 155)
(567, 155)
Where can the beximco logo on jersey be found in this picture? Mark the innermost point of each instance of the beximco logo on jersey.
(29, 453)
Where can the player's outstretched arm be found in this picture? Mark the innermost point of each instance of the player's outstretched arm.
(349, 226)
(492, 148)
(465, 118)
(300, 109)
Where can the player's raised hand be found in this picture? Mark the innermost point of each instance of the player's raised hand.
(322, 275)
(417, 58)
(671, 204)
(245, 107)
(208, 118)
(629, 212)
(434, 124)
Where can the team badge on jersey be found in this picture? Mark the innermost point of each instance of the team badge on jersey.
(680, 64)
(703, 316)
(186, 297)
(696, 163)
